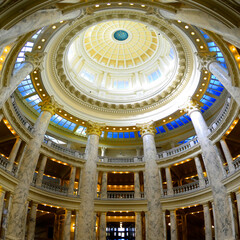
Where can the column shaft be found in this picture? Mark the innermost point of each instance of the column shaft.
(41, 171)
(32, 222)
(13, 154)
(138, 226)
(164, 225)
(77, 227)
(103, 225)
(104, 185)
(234, 218)
(223, 76)
(173, 221)
(238, 205)
(67, 225)
(161, 182)
(199, 172)
(79, 181)
(72, 181)
(2, 196)
(26, 173)
(169, 181)
(33, 22)
(227, 155)
(88, 192)
(207, 222)
(215, 174)
(18, 75)
(152, 187)
(137, 193)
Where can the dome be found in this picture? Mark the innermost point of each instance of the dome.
(119, 120)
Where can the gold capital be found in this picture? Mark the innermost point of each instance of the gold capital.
(205, 59)
(35, 58)
(50, 105)
(191, 105)
(147, 128)
(94, 128)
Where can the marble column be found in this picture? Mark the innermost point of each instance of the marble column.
(138, 226)
(67, 225)
(234, 217)
(161, 182)
(169, 181)
(13, 154)
(89, 170)
(203, 20)
(227, 155)
(56, 227)
(72, 181)
(103, 225)
(6, 211)
(207, 222)
(2, 196)
(94, 226)
(211, 64)
(20, 157)
(28, 166)
(79, 181)
(32, 61)
(199, 172)
(152, 187)
(137, 193)
(138, 151)
(211, 162)
(32, 222)
(103, 151)
(173, 221)
(238, 205)
(35, 21)
(164, 225)
(184, 227)
(41, 171)
(77, 227)
(104, 185)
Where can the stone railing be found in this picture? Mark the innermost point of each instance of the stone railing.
(236, 163)
(186, 188)
(222, 114)
(120, 195)
(121, 160)
(54, 187)
(4, 163)
(63, 149)
(176, 150)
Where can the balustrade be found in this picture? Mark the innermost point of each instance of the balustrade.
(120, 195)
(236, 163)
(121, 160)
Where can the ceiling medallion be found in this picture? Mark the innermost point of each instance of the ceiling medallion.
(120, 35)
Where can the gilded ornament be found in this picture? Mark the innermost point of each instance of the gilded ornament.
(94, 128)
(147, 128)
(50, 105)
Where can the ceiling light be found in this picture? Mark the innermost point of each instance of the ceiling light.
(186, 26)
(39, 47)
(54, 27)
(142, 5)
(198, 40)
(108, 4)
(201, 47)
(97, 5)
(193, 33)
(43, 40)
(61, 21)
(179, 21)
(119, 3)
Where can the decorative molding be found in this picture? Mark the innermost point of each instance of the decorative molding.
(35, 58)
(94, 128)
(147, 128)
(50, 105)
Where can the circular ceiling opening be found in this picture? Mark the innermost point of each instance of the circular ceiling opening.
(120, 35)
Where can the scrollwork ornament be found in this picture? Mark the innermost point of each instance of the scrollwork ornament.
(147, 128)
(94, 128)
(35, 58)
(50, 105)
(205, 59)
(191, 105)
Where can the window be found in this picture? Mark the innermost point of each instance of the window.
(154, 76)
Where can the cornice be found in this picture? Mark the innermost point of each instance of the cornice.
(57, 71)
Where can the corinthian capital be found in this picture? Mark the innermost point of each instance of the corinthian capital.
(35, 58)
(191, 105)
(50, 105)
(205, 59)
(94, 128)
(147, 128)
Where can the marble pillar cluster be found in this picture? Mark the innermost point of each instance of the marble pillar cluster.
(27, 169)
(212, 163)
(210, 63)
(86, 218)
(104, 185)
(35, 21)
(32, 61)
(152, 182)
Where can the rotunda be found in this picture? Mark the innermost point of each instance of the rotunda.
(119, 120)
